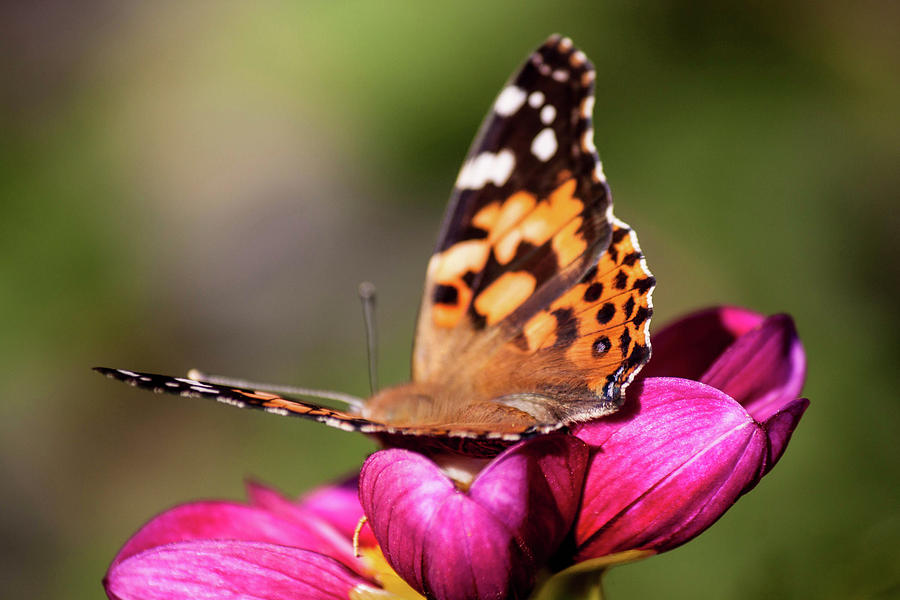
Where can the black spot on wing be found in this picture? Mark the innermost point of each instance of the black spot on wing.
(594, 292)
(471, 232)
(619, 234)
(445, 294)
(600, 346)
(644, 284)
(606, 313)
(624, 342)
(643, 313)
(640, 354)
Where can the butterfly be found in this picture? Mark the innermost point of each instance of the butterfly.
(537, 300)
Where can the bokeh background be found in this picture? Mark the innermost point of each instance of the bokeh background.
(189, 184)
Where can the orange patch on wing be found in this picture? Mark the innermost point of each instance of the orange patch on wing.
(504, 295)
(551, 214)
(487, 216)
(288, 405)
(513, 210)
(257, 395)
(505, 248)
(539, 328)
(567, 244)
(470, 255)
(623, 248)
(504, 235)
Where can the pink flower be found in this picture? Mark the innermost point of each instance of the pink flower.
(710, 415)
(272, 548)
(486, 541)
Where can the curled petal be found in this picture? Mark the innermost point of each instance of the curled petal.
(487, 542)
(764, 369)
(231, 521)
(229, 569)
(687, 347)
(779, 428)
(677, 460)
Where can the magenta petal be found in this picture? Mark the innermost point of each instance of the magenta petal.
(535, 486)
(338, 504)
(682, 455)
(327, 539)
(485, 543)
(226, 521)
(780, 426)
(229, 569)
(764, 369)
(687, 347)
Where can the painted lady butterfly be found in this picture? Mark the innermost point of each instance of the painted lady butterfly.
(537, 302)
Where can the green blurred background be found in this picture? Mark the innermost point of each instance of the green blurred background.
(204, 184)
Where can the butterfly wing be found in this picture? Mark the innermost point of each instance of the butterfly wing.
(474, 441)
(537, 298)
(531, 268)
(242, 398)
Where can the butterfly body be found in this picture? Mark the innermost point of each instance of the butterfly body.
(536, 307)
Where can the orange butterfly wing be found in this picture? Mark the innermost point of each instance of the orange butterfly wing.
(537, 297)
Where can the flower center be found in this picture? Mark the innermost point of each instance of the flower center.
(462, 470)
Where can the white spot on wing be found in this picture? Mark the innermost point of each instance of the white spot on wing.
(587, 141)
(587, 107)
(509, 101)
(536, 99)
(548, 113)
(205, 390)
(231, 401)
(484, 168)
(544, 144)
(128, 373)
(560, 75)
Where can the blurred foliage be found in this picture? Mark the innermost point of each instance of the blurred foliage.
(204, 184)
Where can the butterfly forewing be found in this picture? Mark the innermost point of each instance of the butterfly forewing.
(529, 229)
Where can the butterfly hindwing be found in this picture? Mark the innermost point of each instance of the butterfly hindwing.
(580, 352)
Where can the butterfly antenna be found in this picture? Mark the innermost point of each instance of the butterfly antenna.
(367, 297)
(348, 399)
